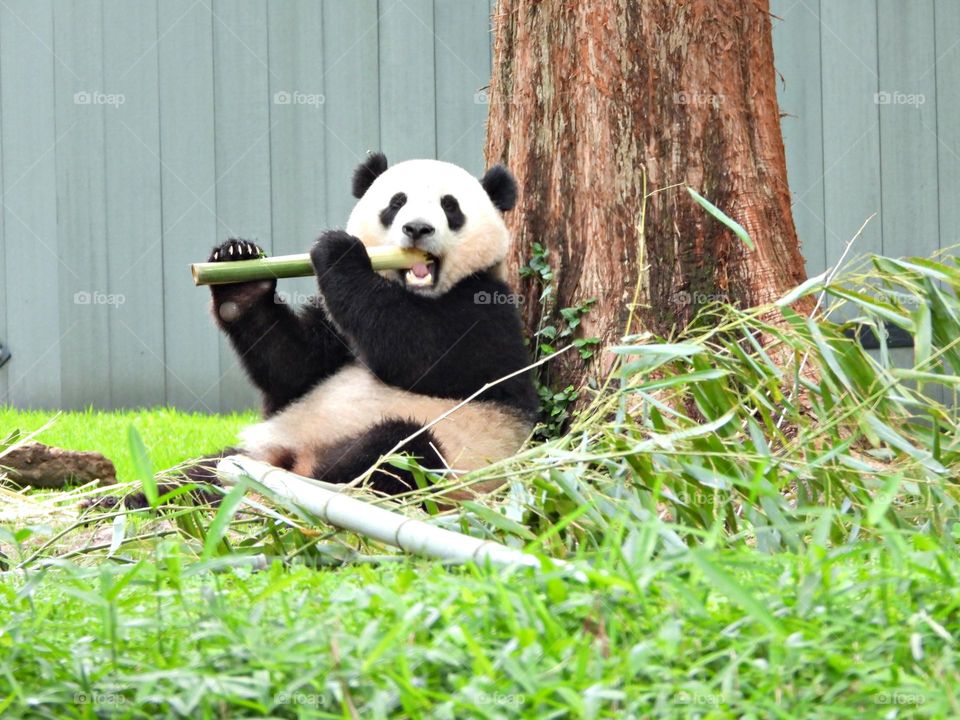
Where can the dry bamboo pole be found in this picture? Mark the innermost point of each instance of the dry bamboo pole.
(343, 511)
(382, 257)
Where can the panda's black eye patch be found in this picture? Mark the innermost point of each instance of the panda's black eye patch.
(390, 211)
(451, 208)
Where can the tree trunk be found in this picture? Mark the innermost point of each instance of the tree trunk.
(584, 96)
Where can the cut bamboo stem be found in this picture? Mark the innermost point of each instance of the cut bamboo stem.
(287, 266)
(349, 513)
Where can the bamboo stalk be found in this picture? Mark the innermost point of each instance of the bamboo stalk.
(349, 513)
(382, 257)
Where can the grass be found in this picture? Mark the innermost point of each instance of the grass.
(761, 531)
(853, 634)
(170, 435)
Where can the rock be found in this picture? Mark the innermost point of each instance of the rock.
(44, 466)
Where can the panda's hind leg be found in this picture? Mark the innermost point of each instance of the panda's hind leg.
(353, 456)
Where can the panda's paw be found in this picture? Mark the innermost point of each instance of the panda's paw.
(337, 251)
(233, 300)
(235, 249)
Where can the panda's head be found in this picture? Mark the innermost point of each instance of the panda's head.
(439, 208)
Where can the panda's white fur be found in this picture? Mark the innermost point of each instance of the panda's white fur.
(354, 399)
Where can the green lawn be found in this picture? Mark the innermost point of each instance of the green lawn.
(171, 436)
(852, 636)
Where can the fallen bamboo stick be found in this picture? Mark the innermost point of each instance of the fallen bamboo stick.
(383, 257)
(349, 513)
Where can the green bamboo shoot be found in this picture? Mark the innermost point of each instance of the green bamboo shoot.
(288, 266)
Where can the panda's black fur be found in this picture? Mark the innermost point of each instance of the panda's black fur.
(447, 346)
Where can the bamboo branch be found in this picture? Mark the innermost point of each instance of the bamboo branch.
(349, 513)
(383, 257)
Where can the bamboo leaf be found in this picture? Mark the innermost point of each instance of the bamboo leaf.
(733, 590)
(884, 310)
(119, 532)
(142, 466)
(805, 288)
(218, 528)
(722, 217)
(694, 377)
(882, 501)
(828, 354)
(923, 339)
(890, 436)
(497, 520)
(668, 350)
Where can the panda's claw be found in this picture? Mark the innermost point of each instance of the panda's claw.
(236, 249)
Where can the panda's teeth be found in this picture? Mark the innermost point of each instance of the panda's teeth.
(412, 280)
(415, 281)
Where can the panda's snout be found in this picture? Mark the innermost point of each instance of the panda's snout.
(418, 229)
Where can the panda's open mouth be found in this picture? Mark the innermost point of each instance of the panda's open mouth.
(423, 274)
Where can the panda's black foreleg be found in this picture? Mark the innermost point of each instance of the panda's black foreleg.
(284, 353)
(353, 456)
(201, 471)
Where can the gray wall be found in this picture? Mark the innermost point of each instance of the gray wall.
(134, 134)
(871, 92)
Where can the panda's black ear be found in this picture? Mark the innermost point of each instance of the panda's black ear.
(501, 187)
(368, 171)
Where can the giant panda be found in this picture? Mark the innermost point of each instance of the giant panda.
(377, 355)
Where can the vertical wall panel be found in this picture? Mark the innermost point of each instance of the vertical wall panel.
(30, 203)
(947, 16)
(908, 127)
(133, 224)
(297, 138)
(407, 83)
(796, 37)
(851, 142)
(81, 101)
(242, 141)
(188, 179)
(462, 59)
(352, 93)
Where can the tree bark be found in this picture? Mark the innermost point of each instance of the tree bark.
(584, 97)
